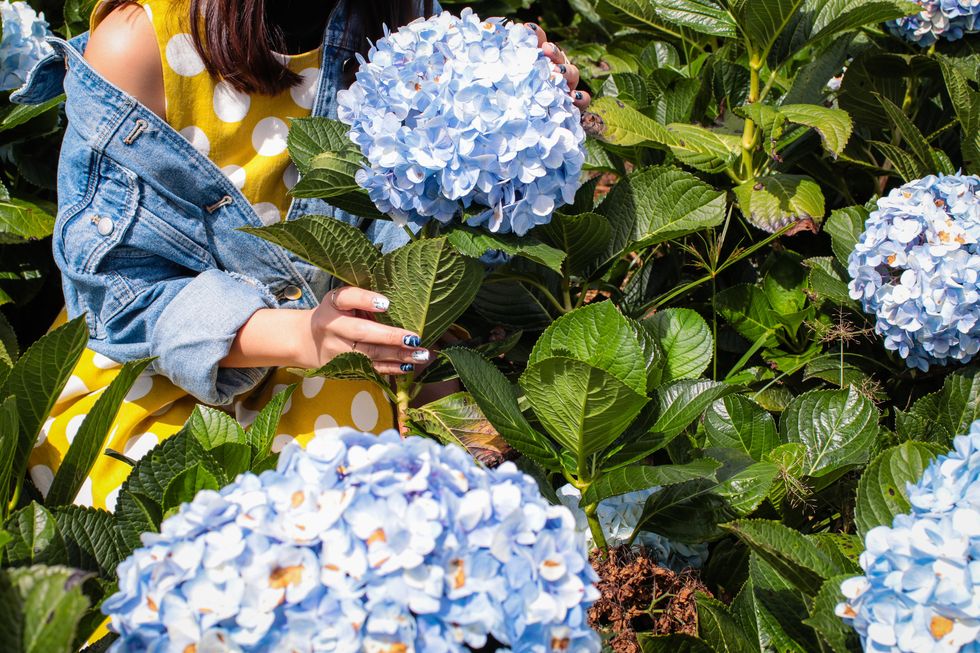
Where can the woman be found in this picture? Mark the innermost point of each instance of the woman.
(178, 116)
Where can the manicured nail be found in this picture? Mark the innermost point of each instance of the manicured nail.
(420, 355)
(562, 69)
(532, 27)
(412, 341)
(380, 303)
(578, 95)
(407, 367)
(552, 48)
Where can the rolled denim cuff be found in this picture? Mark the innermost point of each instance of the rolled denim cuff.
(195, 332)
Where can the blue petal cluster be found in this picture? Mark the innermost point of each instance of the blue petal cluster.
(459, 113)
(949, 19)
(361, 543)
(23, 44)
(921, 588)
(917, 268)
(618, 517)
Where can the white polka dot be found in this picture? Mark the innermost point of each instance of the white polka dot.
(268, 213)
(42, 477)
(229, 104)
(104, 362)
(304, 93)
(110, 499)
(71, 430)
(364, 411)
(280, 441)
(281, 58)
(289, 402)
(149, 12)
(196, 137)
(291, 176)
(139, 445)
(43, 435)
(141, 388)
(182, 56)
(162, 410)
(312, 386)
(84, 496)
(74, 388)
(244, 416)
(323, 424)
(236, 174)
(269, 136)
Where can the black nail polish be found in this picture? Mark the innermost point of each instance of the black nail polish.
(532, 27)
(412, 341)
(407, 367)
(578, 95)
(562, 68)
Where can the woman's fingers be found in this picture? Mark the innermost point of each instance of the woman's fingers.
(570, 73)
(366, 332)
(542, 38)
(385, 353)
(581, 99)
(350, 298)
(554, 53)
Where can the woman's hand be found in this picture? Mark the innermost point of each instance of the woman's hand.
(564, 66)
(312, 338)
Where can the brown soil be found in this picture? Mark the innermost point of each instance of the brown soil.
(639, 596)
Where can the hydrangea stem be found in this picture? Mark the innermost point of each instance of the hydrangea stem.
(596, 528)
(403, 395)
(748, 131)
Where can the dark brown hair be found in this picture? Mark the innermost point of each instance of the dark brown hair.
(237, 43)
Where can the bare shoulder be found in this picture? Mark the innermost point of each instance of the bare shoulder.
(123, 49)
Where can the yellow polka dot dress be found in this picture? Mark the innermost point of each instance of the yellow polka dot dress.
(245, 136)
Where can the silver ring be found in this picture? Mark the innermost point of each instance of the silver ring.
(333, 299)
(354, 347)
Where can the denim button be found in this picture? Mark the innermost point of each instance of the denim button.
(105, 226)
(292, 293)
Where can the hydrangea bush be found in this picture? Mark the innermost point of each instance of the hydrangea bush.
(618, 517)
(921, 590)
(916, 267)
(458, 113)
(362, 543)
(23, 44)
(947, 19)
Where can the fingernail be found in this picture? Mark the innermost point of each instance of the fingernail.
(412, 341)
(532, 27)
(407, 367)
(562, 68)
(552, 48)
(578, 95)
(381, 303)
(420, 355)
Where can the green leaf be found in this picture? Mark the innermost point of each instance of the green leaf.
(906, 165)
(717, 627)
(881, 493)
(737, 422)
(837, 428)
(23, 113)
(746, 490)
(702, 148)
(50, 604)
(641, 477)
(36, 537)
(747, 309)
(265, 427)
(338, 248)
(676, 643)
(599, 335)
(9, 349)
(688, 512)
(91, 437)
(185, 486)
(686, 341)
(658, 204)
(309, 137)
(836, 16)
(351, 366)
(625, 126)
(701, 16)
(21, 220)
(475, 243)
(582, 407)
(966, 104)
(212, 427)
(791, 554)
(773, 202)
(91, 540)
(585, 238)
(9, 435)
(457, 419)
(36, 381)
(827, 281)
(683, 401)
(429, 285)
(914, 139)
(497, 399)
(824, 619)
(833, 125)
(845, 226)
(957, 405)
(763, 21)
(770, 611)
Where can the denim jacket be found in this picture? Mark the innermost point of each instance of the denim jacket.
(147, 234)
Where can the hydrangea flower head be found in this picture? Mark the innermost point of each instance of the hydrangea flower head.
(618, 517)
(361, 543)
(916, 267)
(457, 113)
(23, 44)
(947, 19)
(921, 588)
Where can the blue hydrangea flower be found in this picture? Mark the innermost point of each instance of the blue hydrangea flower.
(23, 44)
(618, 517)
(948, 19)
(916, 267)
(361, 543)
(921, 588)
(457, 113)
